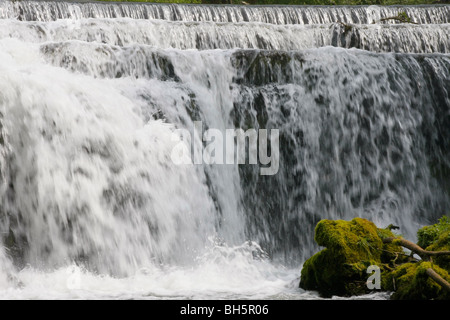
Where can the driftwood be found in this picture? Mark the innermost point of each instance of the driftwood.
(401, 16)
(401, 19)
(347, 27)
(439, 280)
(425, 255)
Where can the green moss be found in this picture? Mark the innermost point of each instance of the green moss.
(437, 238)
(330, 274)
(356, 240)
(351, 247)
(410, 282)
(403, 17)
(316, 274)
(429, 235)
(442, 244)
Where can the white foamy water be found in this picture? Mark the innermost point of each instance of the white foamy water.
(92, 206)
(219, 273)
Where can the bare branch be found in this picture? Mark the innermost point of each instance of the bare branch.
(401, 19)
(424, 254)
(436, 277)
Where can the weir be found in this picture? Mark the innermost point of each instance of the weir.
(92, 93)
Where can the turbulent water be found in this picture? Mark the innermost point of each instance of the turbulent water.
(91, 95)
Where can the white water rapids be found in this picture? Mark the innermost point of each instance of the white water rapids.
(90, 94)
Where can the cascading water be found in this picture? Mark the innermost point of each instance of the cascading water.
(91, 95)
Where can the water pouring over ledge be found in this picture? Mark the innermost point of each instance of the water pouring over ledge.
(53, 10)
(92, 206)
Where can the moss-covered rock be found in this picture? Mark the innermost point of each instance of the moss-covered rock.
(350, 248)
(409, 281)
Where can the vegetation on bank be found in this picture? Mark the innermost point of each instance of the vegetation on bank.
(298, 2)
(352, 246)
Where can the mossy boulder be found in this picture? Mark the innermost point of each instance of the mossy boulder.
(350, 248)
(409, 281)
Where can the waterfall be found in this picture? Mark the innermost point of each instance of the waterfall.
(211, 35)
(53, 10)
(91, 99)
